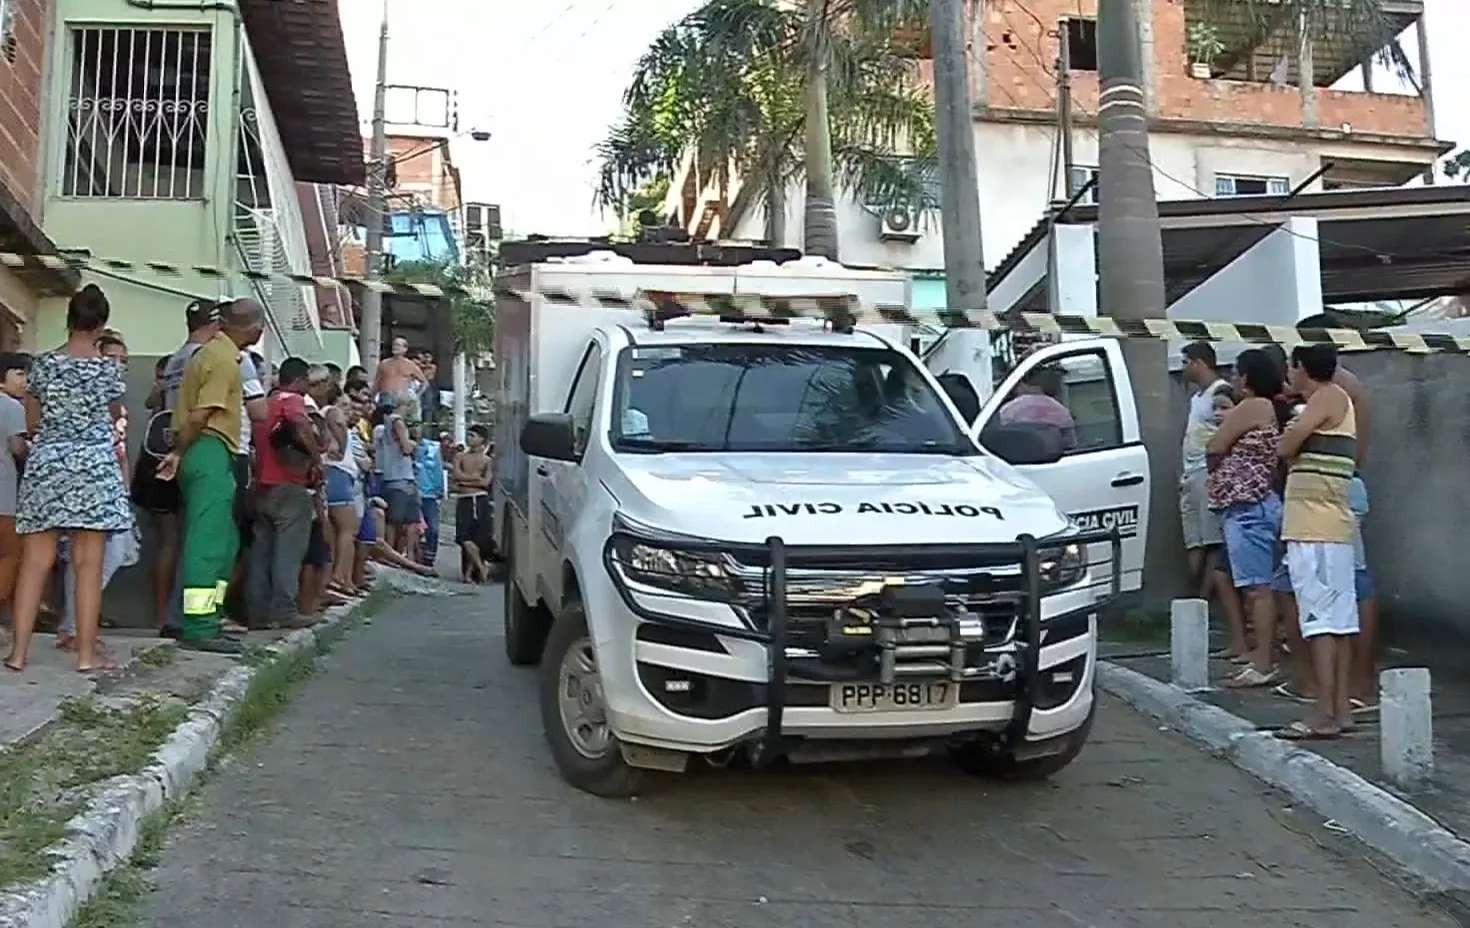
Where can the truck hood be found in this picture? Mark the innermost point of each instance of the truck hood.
(811, 498)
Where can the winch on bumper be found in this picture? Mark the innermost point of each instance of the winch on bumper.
(775, 648)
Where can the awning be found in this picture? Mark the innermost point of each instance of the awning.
(19, 235)
(1375, 244)
(302, 58)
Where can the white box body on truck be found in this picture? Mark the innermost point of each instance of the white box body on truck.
(755, 538)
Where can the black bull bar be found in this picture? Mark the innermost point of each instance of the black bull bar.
(777, 559)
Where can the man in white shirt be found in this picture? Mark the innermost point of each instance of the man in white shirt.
(1203, 536)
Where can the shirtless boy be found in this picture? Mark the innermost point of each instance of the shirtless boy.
(398, 375)
(469, 483)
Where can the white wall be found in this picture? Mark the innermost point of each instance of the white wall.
(1014, 167)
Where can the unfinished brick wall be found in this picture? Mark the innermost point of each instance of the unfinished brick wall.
(21, 77)
(1022, 50)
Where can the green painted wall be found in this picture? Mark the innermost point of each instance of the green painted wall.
(183, 232)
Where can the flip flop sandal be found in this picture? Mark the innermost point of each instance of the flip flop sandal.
(12, 668)
(1286, 692)
(1250, 678)
(1301, 731)
(1363, 707)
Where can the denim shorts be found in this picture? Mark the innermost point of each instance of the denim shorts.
(339, 487)
(1251, 533)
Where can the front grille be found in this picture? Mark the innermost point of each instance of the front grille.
(982, 613)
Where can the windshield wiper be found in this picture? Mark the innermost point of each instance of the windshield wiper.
(658, 446)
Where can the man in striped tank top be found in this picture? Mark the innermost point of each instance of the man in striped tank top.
(1319, 528)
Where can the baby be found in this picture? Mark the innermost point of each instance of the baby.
(1224, 402)
(1199, 436)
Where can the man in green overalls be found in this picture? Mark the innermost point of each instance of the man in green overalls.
(206, 440)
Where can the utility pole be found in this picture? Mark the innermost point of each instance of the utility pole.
(959, 191)
(1068, 161)
(1131, 274)
(1064, 110)
(370, 334)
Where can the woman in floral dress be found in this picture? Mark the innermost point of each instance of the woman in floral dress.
(72, 482)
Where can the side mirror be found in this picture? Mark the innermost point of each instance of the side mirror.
(1024, 443)
(549, 436)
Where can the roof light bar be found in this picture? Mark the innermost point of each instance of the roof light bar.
(660, 306)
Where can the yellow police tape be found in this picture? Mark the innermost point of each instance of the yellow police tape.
(846, 310)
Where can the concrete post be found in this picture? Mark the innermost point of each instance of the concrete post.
(1189, 643)
(1405, 724)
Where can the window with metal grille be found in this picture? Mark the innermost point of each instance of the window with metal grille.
(1240, 185)
(138, 114)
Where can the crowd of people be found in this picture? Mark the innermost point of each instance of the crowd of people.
(269, 489)
(1272, 502)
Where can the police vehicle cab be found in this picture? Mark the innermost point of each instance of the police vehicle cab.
(734, 535)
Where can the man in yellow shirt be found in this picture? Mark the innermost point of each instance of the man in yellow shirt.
(206, 426)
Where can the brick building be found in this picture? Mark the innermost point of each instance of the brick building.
(426, 209)
(1229, 117)
(24, 25)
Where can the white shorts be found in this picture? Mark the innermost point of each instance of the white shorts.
(1323, 579)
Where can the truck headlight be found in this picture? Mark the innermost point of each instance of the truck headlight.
(696, 574)
(1061, 567)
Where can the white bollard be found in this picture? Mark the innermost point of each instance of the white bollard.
(1189, 643)
(1405, 725)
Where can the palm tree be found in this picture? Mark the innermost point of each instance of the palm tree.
(770, 92)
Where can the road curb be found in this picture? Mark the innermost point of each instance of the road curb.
(1383, 821)
(105, 834)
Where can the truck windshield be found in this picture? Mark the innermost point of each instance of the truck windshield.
(765, 397)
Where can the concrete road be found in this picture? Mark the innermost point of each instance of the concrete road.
(408, 786)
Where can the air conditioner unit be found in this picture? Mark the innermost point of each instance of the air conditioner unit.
(899, 224)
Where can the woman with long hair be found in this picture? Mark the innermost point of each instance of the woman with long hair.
(72, 483)
(1244, 465)
(120, 548)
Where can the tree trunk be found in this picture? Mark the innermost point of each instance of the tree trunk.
(820, 214)
(775, 209)
(1131, 278)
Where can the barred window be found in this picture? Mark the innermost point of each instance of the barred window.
(138, 114)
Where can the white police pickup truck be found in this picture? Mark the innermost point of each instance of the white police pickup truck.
(741, 537)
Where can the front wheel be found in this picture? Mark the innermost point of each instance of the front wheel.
(983, 760)
(525, 625)
(574, 713)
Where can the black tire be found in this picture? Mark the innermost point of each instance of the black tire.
(981, 760)
(526, 626)
(607, 774)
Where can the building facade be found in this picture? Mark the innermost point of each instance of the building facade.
(24, 25)
(1231, 116)
(177, 133)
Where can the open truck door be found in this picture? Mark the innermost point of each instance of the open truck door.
(1102, 479)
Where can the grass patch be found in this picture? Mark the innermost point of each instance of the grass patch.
(47, 780)
(163, 655)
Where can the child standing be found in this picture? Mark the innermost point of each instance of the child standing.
(428, 467)
(470, 484)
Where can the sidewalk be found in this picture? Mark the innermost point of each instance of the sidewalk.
(149, 666)
(1445, 800)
